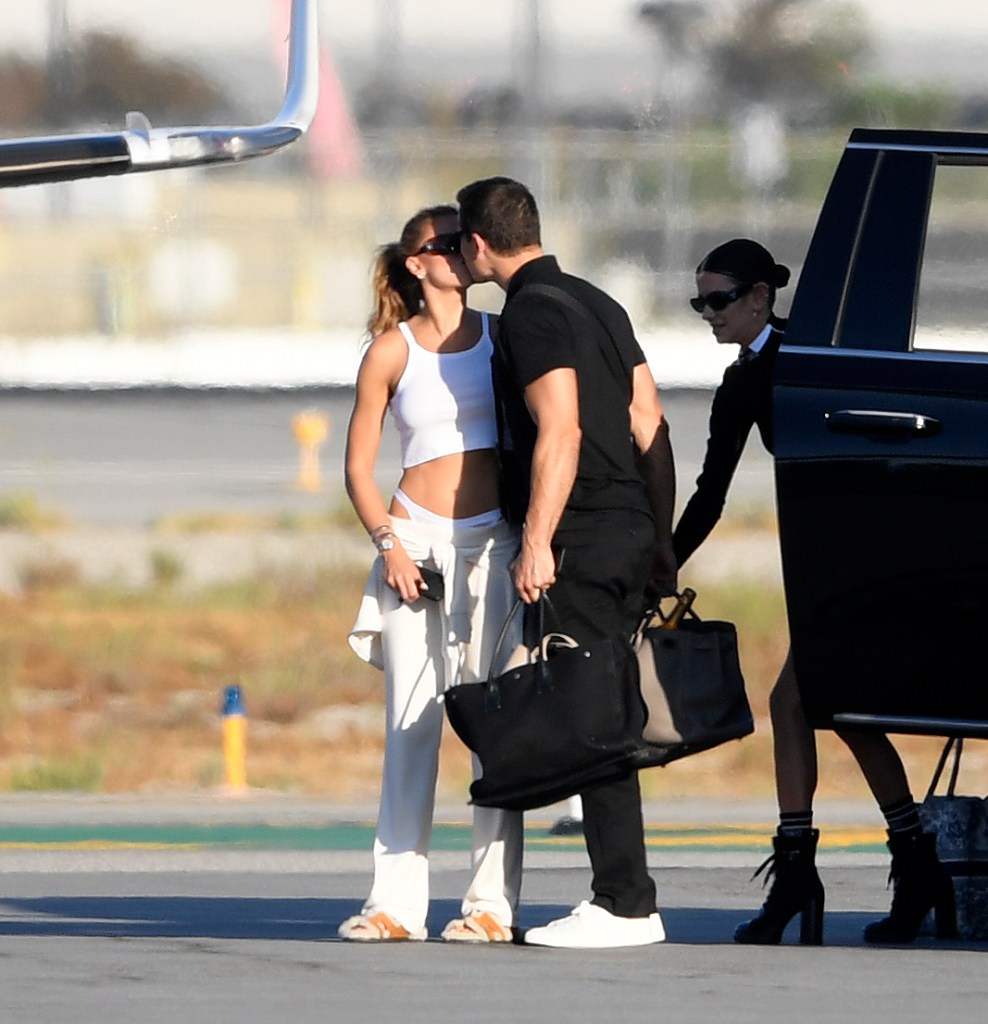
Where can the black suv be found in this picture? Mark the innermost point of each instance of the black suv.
(881, 422)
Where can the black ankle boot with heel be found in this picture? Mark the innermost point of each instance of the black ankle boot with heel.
(920, 885)
(796, 889)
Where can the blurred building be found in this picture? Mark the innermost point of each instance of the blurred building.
(632, 190)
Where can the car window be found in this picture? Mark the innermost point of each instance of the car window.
(952, 302)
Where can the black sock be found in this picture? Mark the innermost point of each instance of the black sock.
(902, 817)
(795, 823)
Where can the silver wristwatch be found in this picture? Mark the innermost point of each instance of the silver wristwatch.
(384, 544)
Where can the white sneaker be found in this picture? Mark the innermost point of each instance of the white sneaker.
(592, 927)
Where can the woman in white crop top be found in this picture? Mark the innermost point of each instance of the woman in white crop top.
(428, 364)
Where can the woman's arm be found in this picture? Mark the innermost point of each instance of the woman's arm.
(731, 420)
(380, 370)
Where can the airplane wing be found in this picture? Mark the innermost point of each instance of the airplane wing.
(140, 147)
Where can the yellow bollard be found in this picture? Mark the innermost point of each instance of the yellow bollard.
(311, 428)
(235, 739)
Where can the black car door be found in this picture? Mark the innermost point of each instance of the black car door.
(882, 442)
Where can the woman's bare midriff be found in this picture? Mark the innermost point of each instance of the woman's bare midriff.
(454, 486)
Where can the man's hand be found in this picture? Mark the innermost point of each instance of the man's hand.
(534, 570)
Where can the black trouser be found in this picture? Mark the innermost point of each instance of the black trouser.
(597, 594)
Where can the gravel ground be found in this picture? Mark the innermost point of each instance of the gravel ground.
(126, 556)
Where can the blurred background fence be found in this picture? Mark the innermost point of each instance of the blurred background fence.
(250, 249)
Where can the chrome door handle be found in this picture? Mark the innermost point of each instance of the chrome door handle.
(877, 421)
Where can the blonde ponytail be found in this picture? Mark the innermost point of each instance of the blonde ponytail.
(397, 293)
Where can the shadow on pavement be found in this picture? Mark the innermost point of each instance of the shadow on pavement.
(173, 917)
(316, 920)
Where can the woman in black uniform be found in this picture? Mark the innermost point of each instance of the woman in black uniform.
(736, 286)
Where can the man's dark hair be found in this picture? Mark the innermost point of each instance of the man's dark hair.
(502, 211)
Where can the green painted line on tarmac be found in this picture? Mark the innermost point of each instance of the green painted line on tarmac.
(255, 836)
(359, 836)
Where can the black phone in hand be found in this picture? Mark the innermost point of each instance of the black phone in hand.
(434, 584)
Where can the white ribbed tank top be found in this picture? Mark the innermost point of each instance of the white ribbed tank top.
(444, 401)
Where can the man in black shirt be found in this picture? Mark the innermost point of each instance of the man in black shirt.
(591, 475)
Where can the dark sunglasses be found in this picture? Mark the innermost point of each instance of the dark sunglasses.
(719, 300)
(441, 245)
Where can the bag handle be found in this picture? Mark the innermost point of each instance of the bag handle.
(653, 607)
(957, 743)
(543, 683)
(502, 636)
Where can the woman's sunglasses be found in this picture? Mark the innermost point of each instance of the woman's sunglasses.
(719, 300)
(441, 245)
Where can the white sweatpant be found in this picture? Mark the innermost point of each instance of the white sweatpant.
(424, 648)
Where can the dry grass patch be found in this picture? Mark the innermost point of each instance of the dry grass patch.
(119, 691)
(132, 681)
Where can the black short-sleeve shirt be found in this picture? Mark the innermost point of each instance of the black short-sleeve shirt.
(539, 333)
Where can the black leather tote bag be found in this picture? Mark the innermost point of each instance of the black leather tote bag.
(567, 719)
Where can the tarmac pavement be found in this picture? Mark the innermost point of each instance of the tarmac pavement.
(113, 463)
(129, 458)
(97, 931)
